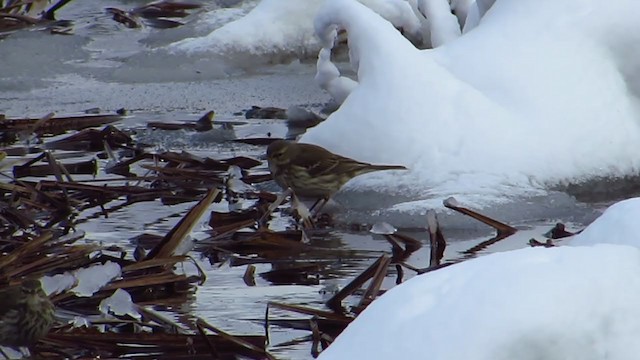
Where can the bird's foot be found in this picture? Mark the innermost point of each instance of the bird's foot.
(303, 213)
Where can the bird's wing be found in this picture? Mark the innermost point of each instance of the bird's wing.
(316, 165)
(334, 164)
(319, 161)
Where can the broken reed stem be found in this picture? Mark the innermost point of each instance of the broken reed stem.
(41, 122)
(376, 282)
(266, 325)
(436, 239)
(395, 245)
(201, 274)
(175, 236)
(400, 274)
(483, 245)
(336, 301)
(315, 337)
(326, 340)
(307, 311)
(234, 339)
(212, 347)
(161, 320)
(15, 5)
(502, 228)
(23, 250)
(55, 167)
(249, 275)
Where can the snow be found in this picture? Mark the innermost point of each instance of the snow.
(84, 281)
(119, 303)
(93, 278)
(58, 283)
(328, 76)
(383, 228)
(461, 9)
(445, 24)
(282, 28)
(565, 302)
(618, 225)
(261, 30)
(530, 94)
(539, 93)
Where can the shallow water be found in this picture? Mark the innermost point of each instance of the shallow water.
(226, 301)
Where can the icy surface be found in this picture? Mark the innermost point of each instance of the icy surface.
(383, 228)
(93, 278)
(119, 303)
(539, 93)
(566, 302)
(58, 283)
(226, 96)
(83, 282)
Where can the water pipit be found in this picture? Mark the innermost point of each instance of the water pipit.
(26, 314)
(314, 172)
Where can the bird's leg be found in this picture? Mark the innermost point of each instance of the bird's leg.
(315, 203)
(281, 197)
(303, 212)
(320, 206)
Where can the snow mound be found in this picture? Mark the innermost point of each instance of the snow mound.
(618, 225)
(566, 302)
(279, 30)
(541, 92)
(261, 31)
(536, 303)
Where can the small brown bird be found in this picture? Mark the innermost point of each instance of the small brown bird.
(314, 172)
(26, 314)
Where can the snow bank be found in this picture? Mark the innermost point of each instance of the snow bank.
(284, 29)
(618, 225)
(532, 93)
(567, 302)
(445, 24)
(536, 94)
(273, 26)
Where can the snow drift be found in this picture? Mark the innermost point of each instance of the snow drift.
(566, 302)
(540, 92)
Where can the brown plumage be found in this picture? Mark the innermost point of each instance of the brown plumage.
(26, 314)
(312, 171)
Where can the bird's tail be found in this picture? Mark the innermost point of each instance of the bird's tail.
(387, 167)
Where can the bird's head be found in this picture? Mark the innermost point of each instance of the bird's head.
(279, 153)
(32, 287)
(33, 295)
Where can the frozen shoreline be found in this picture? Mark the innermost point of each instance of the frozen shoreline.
(73, 93)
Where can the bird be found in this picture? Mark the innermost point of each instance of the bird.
(312, 171)
(26, 314)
